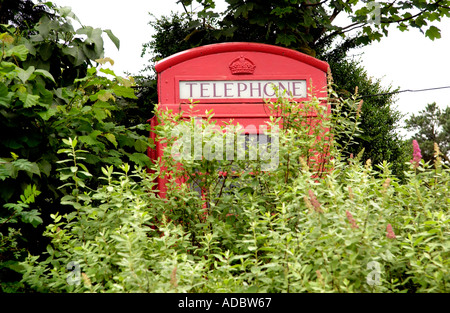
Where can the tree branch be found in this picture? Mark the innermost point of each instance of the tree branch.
(343, 30)
(355, 25)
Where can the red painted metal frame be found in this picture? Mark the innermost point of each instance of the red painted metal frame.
(212, 63)
(238, 47)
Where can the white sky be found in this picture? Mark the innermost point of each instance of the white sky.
(407, 60)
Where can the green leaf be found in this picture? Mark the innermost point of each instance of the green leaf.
(28, 100)
(34, 169)
(67, 12)
(45, 51)
(43, 26)
(77, 53)
(113, 38)
(140, 159)
(5, 96)
(32, 217)
(45, 167)
(111, 138)
(3, 90)
(285, 39)
(107, 71)
(94, 42)
(24, 75)
(104, 96)
(89, 140)
(19, 51)
(122, 91)
(6, 67)
(6, 38)
(433, 32)
(47, 114)
(90, 52)
(140, 146)
(99, 113)
(45, 73)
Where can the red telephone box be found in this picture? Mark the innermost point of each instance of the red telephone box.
(233, 79)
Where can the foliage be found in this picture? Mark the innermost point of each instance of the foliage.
(167, 31)
(309, 26)
(11, 251)
(430, 126)
(21, 13)
(50, 90)
(284, 230)
(379, 118)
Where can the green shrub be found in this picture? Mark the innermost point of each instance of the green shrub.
(54, 85)
(296, 228)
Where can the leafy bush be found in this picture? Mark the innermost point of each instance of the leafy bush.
(50, 90)
(297, 228)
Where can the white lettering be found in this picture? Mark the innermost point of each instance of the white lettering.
(189, 303)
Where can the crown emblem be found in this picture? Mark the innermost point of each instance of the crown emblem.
(241, 66)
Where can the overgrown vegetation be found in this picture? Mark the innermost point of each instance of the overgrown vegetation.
(285, 230)
(81, 211)
(54, 85)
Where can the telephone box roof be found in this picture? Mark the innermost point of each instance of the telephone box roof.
(186, 55)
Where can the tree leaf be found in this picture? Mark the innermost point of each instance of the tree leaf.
(67, 12)
(24, 75)
(107, 71)
(43, 26)
(47, 114)
(140, 145)
(111, 138)
(5, 96)
(285, 39)
(77, 53)
(32, 217)
(46, 51)
(45, 167)
(45, 73)
(113, 38)
(7, 38)
(104, 60)
(140, 159)
(122, 91)
(3, 90)
(105, 96)
(95, 38)
(99, 114)
(88, 140)
(433, 32)
(28, 100)
(19, 51)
